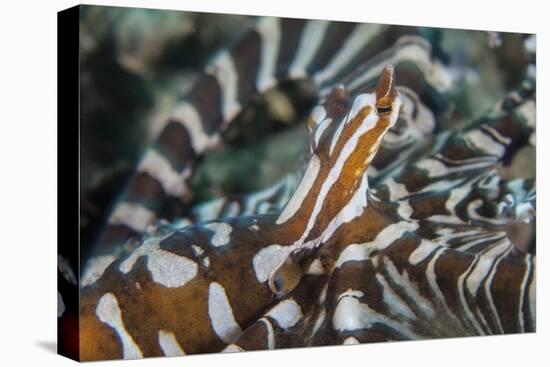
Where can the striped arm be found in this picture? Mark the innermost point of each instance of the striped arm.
(415, 289)
(273, 50)
(468, 153)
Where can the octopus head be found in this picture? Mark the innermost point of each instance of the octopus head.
(352, 129)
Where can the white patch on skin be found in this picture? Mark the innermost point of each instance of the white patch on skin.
(209, 210)
(166, 268)
(350, 340)
(320, 130)
(296, 201)
(361, 35)
(404, 209)
(132, 215)
(95, 269)
(346, 315)
(160, 168)
(60, 305)
(315, 268)
(319, 321)
(436, 168)
(270, 333)
(269, 259)
(180, 224)
(323, 294)
(108, 312)
(475, 162)
(197, 250)
(232, 210)
(523, 291)
(286, 313)
(421, 252)
(397, 190)
(223, 68)
(221, 314)
(497, 135)
(312, 36)
(354, 252)
(232, 348)
(171, 270)
(529, 111)
(351, 314)
(187, 115)
(206, 262)
(441, 185)
(351, 293)
(254, 227)
(263, 208)
(270, 32)
(169, 344)
(447, 219)
(221, 233)
(318, 114)
(361, 252)
(480, 140)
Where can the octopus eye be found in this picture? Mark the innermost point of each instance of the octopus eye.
(383, 109)
(285, 278)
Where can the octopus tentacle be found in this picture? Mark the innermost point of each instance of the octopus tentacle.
(367, 247)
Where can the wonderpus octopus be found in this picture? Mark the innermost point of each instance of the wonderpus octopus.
(396, 230)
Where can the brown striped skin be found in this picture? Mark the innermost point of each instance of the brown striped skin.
(147, 190)
(440, 279)
(400, 264)
(182, 310)
(206, 95)
(346, 184)
(247, 67)
(158, 302)
(337, 33)
(92, 329)
(116, 235)
(291, 30)
(355, 164)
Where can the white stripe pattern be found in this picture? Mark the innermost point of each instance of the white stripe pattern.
(312, 37)
(160, 168)
(270, 33)
(223, 68)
